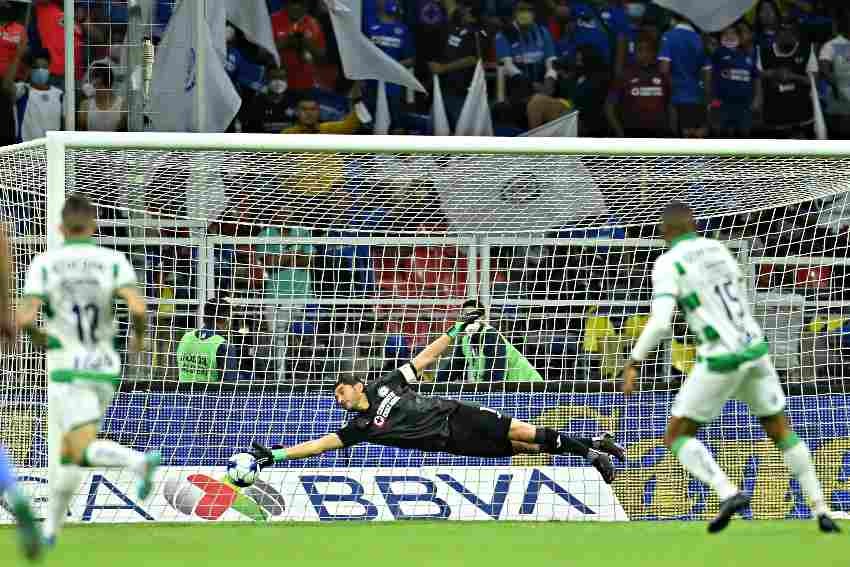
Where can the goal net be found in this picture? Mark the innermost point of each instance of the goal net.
(315, 257)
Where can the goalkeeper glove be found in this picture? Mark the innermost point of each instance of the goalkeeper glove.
(467, 318)
(265, 456)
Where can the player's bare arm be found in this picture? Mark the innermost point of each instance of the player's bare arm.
(26, 317)
(138, 314)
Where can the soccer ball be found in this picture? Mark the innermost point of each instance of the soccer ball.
(242, 469)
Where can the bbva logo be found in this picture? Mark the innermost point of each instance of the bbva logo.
(205, 497)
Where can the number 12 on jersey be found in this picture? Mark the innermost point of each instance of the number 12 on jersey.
(87, 320)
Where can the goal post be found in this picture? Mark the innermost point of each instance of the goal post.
(326, 255)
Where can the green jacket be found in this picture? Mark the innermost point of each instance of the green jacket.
(487, 357)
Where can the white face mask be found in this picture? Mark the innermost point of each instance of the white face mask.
(730, 43)
(277, 86)
(88, 90)
(635, 10)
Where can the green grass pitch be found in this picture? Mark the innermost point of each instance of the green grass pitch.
(643, 544)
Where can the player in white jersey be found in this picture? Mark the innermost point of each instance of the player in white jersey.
(76, 287)
(703, 278)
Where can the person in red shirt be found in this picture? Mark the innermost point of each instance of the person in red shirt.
(638, 102)
(49, 20)
(301, 42)
(13, 34)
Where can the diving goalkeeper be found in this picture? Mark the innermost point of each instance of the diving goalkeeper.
(390, 412)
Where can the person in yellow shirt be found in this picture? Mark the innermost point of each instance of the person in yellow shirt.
(308, 119)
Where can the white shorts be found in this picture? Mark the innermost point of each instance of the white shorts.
(74, 404)
(704, 392)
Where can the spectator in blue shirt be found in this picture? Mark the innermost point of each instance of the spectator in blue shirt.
(525, 49)
(585, 28)
(737, 88)
(682, 56)
(392, 36)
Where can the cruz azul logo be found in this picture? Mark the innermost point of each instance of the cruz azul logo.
(387, 405)
(205, 497)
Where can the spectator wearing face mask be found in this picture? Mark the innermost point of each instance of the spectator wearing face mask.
(737, 86)
(526, 52)
(39, 105)
(273, 110)
(104, 110)
(49, 18)
(392, 37)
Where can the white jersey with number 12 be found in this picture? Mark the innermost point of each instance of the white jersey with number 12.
(77, 284)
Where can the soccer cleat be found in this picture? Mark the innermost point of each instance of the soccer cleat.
(605, 442)
(602, 463)
(728, 508)
(145, 482)
(827, 525)
(29, 533)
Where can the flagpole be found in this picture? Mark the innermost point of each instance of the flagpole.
(70, 97)
(200, 29)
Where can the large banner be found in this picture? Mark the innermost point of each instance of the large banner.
(198, 432)
(433, 493)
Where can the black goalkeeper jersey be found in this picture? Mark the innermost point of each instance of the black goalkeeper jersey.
(399, 416)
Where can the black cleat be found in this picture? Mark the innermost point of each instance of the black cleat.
(603, 464)
(827, 525)
(605, 442)
(728, 508)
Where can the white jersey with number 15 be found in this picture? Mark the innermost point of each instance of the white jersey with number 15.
(77, 284)
(709, 287)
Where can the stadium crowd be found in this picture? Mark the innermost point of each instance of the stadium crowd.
(630, 68)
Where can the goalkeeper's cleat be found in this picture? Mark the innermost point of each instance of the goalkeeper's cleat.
(602, 463)
(728, 508)
(29, 534)
(145, 483)
(827, 525)
(605, 442)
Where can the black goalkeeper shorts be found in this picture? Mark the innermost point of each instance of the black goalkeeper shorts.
(479, 432)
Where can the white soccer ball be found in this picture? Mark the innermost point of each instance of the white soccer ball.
(242, 469)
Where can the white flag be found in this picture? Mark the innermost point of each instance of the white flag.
(362, 59)
(216, 13)
(820, 123)
(539, 194)
(253, 18)
(382, 111)
(564, 127)
(475, 117)
(710, 16)
(175, 79)
(439, 120)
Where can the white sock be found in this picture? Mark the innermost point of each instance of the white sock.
(799, 463)
(697, 460)
(62, 485)
(104, 453)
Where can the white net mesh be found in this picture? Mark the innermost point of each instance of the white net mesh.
(23, 400)
(337, 263)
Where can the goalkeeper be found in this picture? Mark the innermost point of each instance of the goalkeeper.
(390, 412)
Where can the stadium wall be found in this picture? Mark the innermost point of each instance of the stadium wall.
(198, 432)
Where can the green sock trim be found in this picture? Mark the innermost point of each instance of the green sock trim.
(678, 442)
(65, 461)
(84, 461)
(790, 440)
